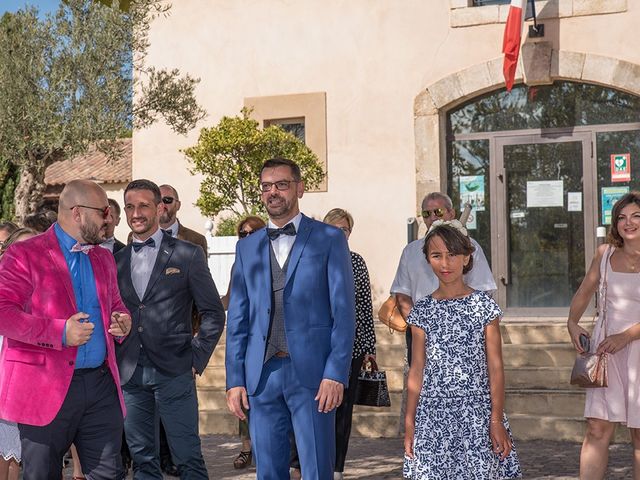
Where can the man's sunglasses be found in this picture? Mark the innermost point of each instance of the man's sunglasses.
(104, 210)
(438, 212)
(167, 200)
(244, 233)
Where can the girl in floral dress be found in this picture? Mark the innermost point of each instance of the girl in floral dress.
(455, 424)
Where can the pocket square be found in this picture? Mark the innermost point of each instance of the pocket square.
(171, 271)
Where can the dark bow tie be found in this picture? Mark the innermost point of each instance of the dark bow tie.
(288, 229)
(138, 245)
(167, 231)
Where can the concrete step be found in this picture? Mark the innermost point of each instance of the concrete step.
(541, 427)
(383, 423)
(561, 403)
(538, 377)
(211, 377)
(539, 355)
(217, 422)
(536, 332)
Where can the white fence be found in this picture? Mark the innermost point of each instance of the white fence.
(222, 252)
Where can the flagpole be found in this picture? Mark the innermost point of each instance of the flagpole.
(533, 11)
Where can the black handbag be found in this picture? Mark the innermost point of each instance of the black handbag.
(372, 389)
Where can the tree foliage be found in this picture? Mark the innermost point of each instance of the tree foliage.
(67, 82)
(229, 157)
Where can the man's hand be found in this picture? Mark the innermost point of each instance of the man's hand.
(120, 324)
(236, 400)
(77, 332)
(329, 395)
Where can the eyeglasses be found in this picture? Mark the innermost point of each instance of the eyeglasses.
(167, 200)
(245, 233)
(280, 185)
(438, 212)
(345, 229)
(104, 210)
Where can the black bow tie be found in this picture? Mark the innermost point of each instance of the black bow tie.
(149, 243)
(167, 231)
(288, 229)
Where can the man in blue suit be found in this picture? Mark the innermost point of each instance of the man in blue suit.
(290, 329)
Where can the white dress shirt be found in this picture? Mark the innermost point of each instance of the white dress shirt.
(142, 263)
(109, 243)
(282, 245)
(173, 229)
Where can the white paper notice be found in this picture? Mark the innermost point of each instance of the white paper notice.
(546, 193)
(574, 201)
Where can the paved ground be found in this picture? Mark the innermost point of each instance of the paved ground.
(372, 459)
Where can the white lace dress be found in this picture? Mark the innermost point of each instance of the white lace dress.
(9, 437)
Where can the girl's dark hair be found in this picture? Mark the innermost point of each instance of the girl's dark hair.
(455, 242)
(614, 237)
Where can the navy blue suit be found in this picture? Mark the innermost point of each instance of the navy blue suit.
(156, 359)
(319, 313)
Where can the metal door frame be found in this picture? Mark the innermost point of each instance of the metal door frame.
(499, 220)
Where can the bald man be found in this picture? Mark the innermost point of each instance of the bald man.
(60, 313)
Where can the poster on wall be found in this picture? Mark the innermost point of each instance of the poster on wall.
(610, 196)
(621, 167)
(472, 192)
(545, 193)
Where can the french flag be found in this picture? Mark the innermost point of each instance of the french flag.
(511, 41)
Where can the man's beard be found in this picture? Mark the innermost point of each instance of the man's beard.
(92, 233)
(165, 219)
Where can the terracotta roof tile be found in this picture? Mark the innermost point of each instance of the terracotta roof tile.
(94, 165)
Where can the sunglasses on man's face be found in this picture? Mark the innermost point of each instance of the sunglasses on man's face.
(167, 200)
(104, 210)
(245, 233)
(437, 212)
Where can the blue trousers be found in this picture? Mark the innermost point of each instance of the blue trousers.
(279, 405)
(149, 394)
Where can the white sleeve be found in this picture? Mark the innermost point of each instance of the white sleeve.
(402, 281)
(480, 276)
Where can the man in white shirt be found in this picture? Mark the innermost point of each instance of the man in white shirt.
(415, 279)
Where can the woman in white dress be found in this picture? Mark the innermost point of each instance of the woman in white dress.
(9, 434)
(619, 402)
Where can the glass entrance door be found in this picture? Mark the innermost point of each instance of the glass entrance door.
(541, 243)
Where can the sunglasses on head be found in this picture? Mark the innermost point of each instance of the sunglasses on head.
(244, 233)
(104, 210)
(438, 212)
(167, 200)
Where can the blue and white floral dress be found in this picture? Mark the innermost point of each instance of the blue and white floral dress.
(453, 415)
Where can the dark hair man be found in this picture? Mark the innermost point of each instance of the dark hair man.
(160, 279)
(290, 330)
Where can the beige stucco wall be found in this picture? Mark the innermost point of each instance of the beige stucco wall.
(372, 58)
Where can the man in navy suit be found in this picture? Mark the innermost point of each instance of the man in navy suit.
(290, 330)
(160, 279)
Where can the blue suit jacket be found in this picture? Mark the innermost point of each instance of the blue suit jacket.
(319, 304)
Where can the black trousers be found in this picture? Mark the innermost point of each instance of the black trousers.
(344, 418)
(90, 418)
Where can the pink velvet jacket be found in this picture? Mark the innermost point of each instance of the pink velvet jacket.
(36, 299)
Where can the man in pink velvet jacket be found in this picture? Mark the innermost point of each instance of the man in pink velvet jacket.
(60, 312)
